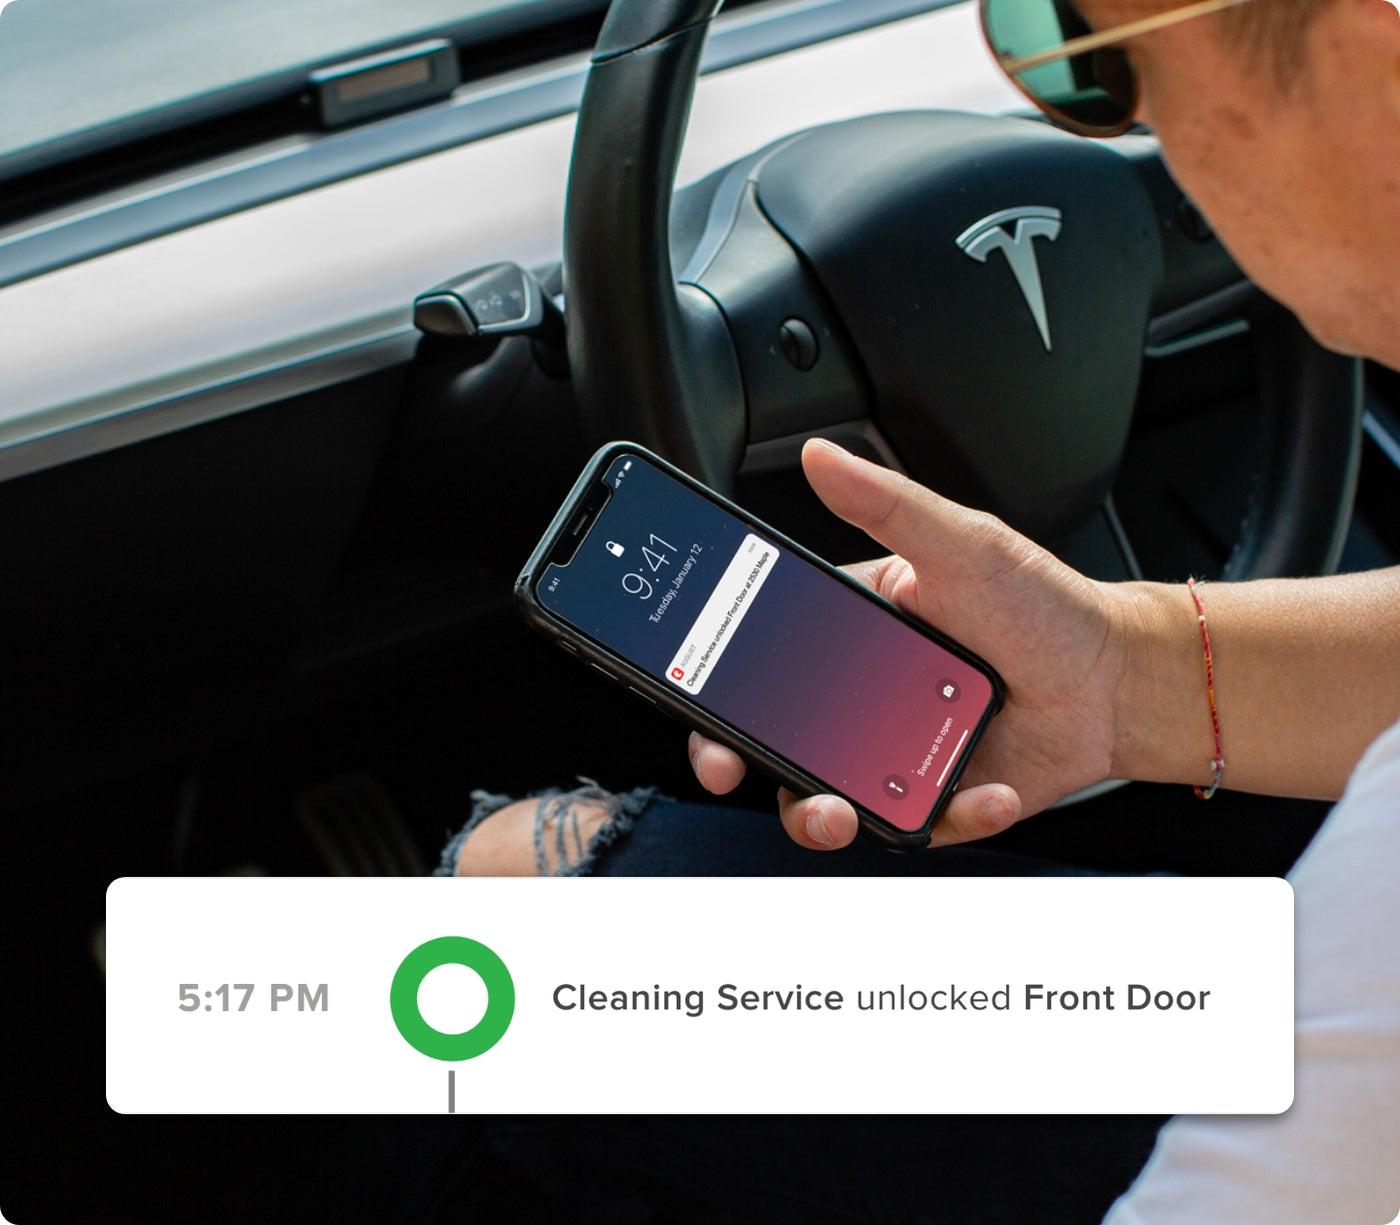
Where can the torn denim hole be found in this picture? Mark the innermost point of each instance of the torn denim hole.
(557, 821)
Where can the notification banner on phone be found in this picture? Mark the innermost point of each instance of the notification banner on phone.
(724, 611)
(813, 995)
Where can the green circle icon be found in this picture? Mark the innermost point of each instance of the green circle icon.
(500, 998)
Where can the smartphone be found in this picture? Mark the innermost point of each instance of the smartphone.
(676, 593)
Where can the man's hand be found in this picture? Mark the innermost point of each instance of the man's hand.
(1054, 635)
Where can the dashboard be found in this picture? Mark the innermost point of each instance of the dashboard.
(316, 287)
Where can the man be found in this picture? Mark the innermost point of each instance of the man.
(1281, 119)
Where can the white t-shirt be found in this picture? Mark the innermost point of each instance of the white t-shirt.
(1334, 1158)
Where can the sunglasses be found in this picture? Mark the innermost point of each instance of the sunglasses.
(1081, 78)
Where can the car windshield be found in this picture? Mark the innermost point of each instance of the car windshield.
(78, 76)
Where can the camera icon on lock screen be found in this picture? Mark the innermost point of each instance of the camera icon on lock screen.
(948, 690)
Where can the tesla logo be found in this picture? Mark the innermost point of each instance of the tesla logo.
(991, 234)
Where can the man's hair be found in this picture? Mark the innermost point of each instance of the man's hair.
(1273, 32)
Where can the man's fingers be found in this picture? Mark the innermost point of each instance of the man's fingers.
(819, 822)
(826, 823)
(718, 769)
(977, 812)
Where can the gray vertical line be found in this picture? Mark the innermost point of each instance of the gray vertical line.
(451, 1090)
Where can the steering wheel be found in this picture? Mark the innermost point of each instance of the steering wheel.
(974, 292)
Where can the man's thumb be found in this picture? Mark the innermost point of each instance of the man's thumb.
(903, 516)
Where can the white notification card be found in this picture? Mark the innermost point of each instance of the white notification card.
(717, 623)
(934, 995)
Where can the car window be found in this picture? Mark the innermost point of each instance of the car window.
(76, 75)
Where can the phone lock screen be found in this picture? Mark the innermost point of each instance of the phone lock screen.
(768, 643)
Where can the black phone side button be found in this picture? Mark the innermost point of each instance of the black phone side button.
(567, 645)
(604, 671)
(646, 697)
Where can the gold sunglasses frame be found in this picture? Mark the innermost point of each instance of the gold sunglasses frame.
(1014, 65)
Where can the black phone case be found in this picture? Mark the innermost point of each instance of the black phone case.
(667, 698)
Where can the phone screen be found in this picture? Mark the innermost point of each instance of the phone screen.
(770, 644)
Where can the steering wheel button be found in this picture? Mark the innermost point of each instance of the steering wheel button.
(799, 343)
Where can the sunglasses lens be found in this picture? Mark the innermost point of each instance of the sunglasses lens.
(1094, 93)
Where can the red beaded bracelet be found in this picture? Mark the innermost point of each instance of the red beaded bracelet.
(1218, 765)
